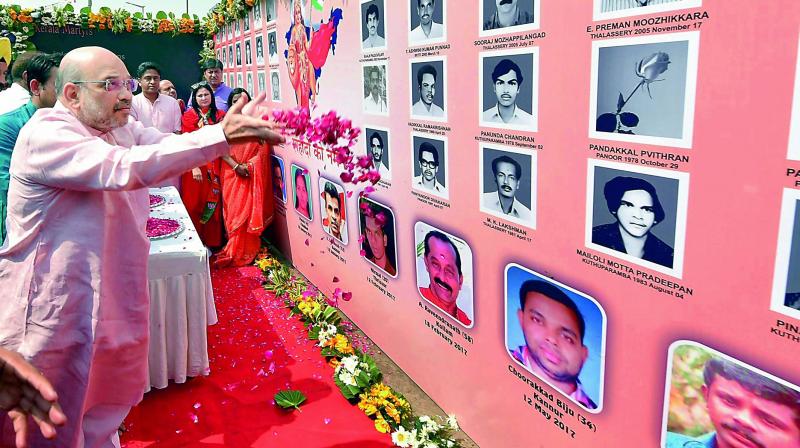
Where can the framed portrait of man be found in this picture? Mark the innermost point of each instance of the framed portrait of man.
(248, 53)
(238, 54)
(222, 55)
(378, 242)
(794, 130)
(786, 280)
(270, 11)
(643, 89)
(428, 22)
(373, 25)
(556, 333)
(230, 56)
(229, 31)
(231, 82)
(378, 148)
(239, 82)
(428, 89)
(509, 89)
(508, 16)
(332, 197)
(712, 399)
(275, 85)
(272, 43)
(375, 80)
(250, 82)
(246, 22)
(637, 214)
(237, 28)
(429, 170)
(614, 9)
(301, 193)
(260, 50)
(258, 21)
(262, 82)
(445, 276)
(508, 183)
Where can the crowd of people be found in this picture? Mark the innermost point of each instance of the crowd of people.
(78, 150)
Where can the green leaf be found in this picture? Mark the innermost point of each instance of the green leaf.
(161, 15)
(289, 399)
(68, 8)
(86, 10)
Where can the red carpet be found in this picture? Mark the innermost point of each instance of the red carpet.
(255, 350)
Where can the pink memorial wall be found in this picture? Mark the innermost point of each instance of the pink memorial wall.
(631, 171)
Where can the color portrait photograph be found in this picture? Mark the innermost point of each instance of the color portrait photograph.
(333, 209)
(301, 192)
(378, 241)
(278, 178)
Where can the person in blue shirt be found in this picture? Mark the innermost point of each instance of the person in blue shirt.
(41, 74)
(212, 73)
(747, 409)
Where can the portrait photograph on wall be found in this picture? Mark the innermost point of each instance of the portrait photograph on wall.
(637, 214)
(270, 11)
(444, 272)
(301, 191)
(429, 167)
(237, 28)
(373, 25)
(614, 9)
(794, 132)
(278, 178)
(378, 242)
(713, 400)
(428, 89)
(508, 89)
(428, 22)
(786, 280)
(248, 53)
(230, 56)
(238, 54)
(333, 209)
(230, 80)
(229, 31)
(246, 23)
(249, 82)
(508, 183)
(375, 80)
(643, 89)
(260, 50)
(508, 16)
(262, 82)
(376, 140)
(275, 85)
(272, 44)
(239, 82)
(258, 18)
(556, 333)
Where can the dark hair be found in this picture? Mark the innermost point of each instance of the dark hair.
(145, 66)
(427, 147)
(41, 66)
(418, 4)
(378, 136)
(298, 173)
(443, 238)
(211, 63)
(19, 65)
(505, 66)
(426, 69)
(554, 293)
(507, 159)
(616, 188)
(755, 383)
(235, 92)
(330, 190)
(387, 228)
(373, 9)
(212, 109)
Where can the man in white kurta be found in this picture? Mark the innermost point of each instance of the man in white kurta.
(74, 266)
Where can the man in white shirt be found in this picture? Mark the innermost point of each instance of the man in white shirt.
(18, 94)
(374, 102)
(376, 147)
(155, 110)
(506, 81)
(373, 40)
(426, 83)
(428, 159)
(427, 29)
(507, 174)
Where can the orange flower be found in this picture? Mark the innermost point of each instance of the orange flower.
(165, 26)
(12, 14)
(249, 3)
(128, 24)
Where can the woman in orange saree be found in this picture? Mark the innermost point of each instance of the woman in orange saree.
(247, 199)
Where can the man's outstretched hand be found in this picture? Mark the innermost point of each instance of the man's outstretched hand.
(243, 122)
(23, 392)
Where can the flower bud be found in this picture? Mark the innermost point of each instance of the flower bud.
(652, 66)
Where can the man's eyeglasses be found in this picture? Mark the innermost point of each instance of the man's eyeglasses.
(113, 85)
(428, 164)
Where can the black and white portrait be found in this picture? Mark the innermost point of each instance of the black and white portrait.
(509, 89)
(229, 31)
(637, 214)
(794, 132)
(376, 89)
(260, 50)
(786, 283)
(237, 30)
(613, 9)
(508, 183)
(246, 23)
(238, 54)
(373, 31)
(249, 83)
(262, 82)
(427, 19)
(230, 80)
(429, 169)
(239, 82)
(230, 56)
(275, 85)
(248, 53)
(377, 147)
(272, 42)
(643, 89)
(270, 11)
(223, 56)
(428, 90)
(508, 16)
(258, 20)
